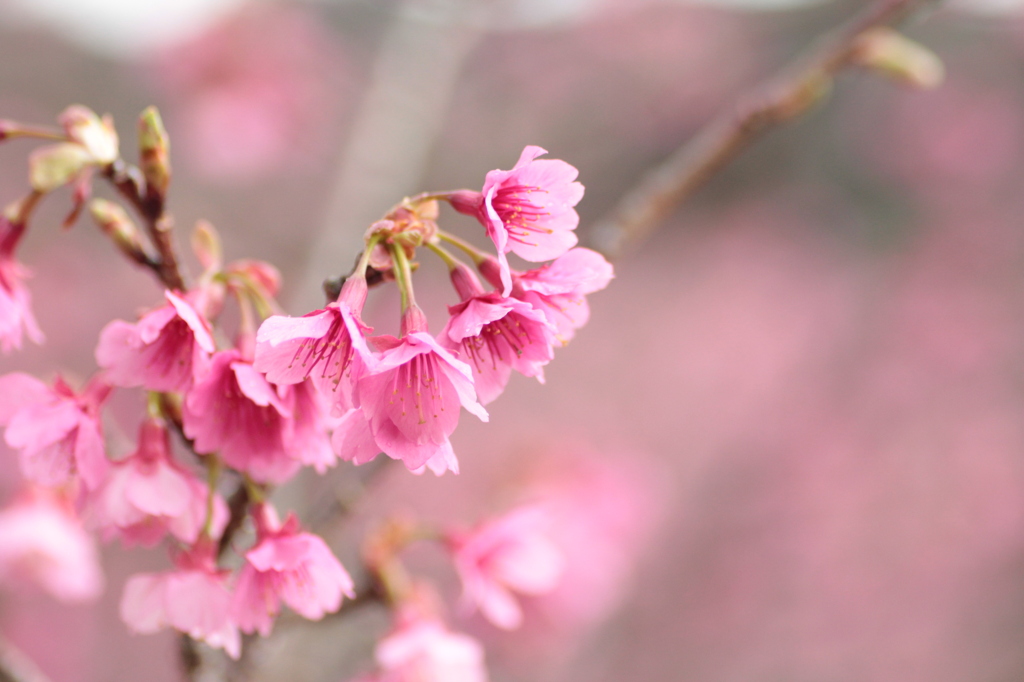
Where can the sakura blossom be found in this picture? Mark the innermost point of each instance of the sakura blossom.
(513, 553)
(287, 565)
(147, 495)
(163, 351)
(326, 346)
(43, 543)
(253, 425)
(494, 335)
(56, 431)
(424, 650)
(559, 289)
(528, 210)
(412, 398)
(193, 599)
(16, 318)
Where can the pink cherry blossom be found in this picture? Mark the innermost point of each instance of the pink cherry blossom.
(193, 599)
(511, 553)
(42, 542)
(147, 494)
(423, 650)
(326, 346)
(412, 397)
(559, 289)
(528, 210)
(290, 566)
(263, 430)
(15, 301)
(495, 335)
(163, 351)
(56, 431)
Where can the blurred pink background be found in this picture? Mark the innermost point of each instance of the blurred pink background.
(796, 418)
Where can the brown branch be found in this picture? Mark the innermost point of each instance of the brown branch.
(769, 105)
(130, 183)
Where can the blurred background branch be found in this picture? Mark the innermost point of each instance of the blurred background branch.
(767, 106)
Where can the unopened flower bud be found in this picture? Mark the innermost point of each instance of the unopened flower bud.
(117, 225)
(96, 135)
(154, 151)
(206, 246)
(898, 57)
(56, 165)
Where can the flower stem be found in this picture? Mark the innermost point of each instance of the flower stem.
(451, 261)
(364, 259)
(213, 468)
(403, 276)
(476, 254)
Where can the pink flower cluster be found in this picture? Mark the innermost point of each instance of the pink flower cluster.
(286, 393)
(402, 396)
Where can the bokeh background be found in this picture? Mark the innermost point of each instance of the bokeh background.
(795, 421)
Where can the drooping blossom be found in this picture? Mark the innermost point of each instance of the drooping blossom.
(424, 650)
(325, 346)
(147, 495)
(528, 210)
(193, 598)
(412, 397)
(495, 334)
(600, 513)
(163, 351)
(262, 430)
(57, 432)
(42, 542)
(509, 554)
(353, 441)
(16, 316)
(287, 565)
(559, 289)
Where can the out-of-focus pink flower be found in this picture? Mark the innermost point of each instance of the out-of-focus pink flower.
(326, 346)
(193, 599)
(559, 289)
(412, 397)
(56, 432)
(291, 566)
(147, 494)
(423, 650)
(528, 210)
(511, 553)
(235, 412)
(599, 514)
(42, 542)
(495, 335)
(163, 351)
(253, 95)
(15, 301)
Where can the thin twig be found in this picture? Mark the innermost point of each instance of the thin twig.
(768, 106)
(131, 184)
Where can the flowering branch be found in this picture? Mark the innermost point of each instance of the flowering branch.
(769, 105)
